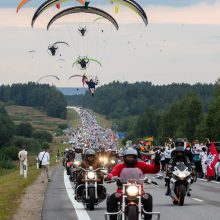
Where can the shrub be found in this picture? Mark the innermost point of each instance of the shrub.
(44, 136)
(11, 152)
(24, 129)
(5, 162)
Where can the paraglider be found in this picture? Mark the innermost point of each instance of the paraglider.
(83, 77)
(134, 6)
(45, 76)
(91, 81)
(49, 3)
(23, 2)
(52, 50)
(61, 42)
(91, 85)
(82, 62)
(32, 52)
(61, 61)
(82, 30)
(81, 9)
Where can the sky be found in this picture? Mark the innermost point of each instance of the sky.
(180, 44)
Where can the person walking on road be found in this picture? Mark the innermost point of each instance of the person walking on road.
(22, 155)
(44, 158)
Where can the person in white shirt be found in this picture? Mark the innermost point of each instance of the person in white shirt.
(22, 155)
(45, 158)
(196, 147)
(203, 156)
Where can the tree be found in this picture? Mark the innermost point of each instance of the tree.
(7, 127)
(24, 129)
(213, 117)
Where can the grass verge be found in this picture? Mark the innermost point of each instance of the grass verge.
(12, 185)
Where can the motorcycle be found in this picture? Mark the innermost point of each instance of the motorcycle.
(217, 171)
(103, 160)
(110, 165)
(130, 206)
(72, 170)
(180, 183)
(93, 192)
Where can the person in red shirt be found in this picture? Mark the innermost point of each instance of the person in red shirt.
(131, 161)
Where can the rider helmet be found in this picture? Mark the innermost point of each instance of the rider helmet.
(130, 157)
(78, 150)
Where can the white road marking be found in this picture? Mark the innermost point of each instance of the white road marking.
(79, 208)
(199, 200)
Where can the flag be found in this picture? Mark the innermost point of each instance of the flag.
(212, 160)
(149, 139)
(58, 6)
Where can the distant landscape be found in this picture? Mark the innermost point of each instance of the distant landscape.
(72, 91)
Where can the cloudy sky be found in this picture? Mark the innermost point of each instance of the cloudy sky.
(180, 44)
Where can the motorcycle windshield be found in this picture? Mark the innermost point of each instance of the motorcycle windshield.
(181, 166)
(131, 174)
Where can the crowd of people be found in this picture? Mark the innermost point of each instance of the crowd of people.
(94, 146)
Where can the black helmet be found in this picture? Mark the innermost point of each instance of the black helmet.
(179, 142)
(78, 150)
(130, 152)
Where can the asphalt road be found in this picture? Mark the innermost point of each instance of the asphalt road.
(204, 204)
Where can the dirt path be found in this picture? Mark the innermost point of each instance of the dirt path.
(32, 202)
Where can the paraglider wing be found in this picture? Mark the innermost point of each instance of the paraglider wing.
(75, 62)
(99, 18)
(135, 7)
(31, 51)
(95, 61)
(80, 9)
(61, 60)
(60, 42)
(20, 5)
(75, 76)
(47, 4)
(54, 76)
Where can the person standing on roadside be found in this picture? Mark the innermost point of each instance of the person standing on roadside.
(44, 158)
(22, 155)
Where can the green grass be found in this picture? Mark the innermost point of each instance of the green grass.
(38, 119)
(12, 186)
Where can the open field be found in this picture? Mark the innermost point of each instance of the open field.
(38, 119)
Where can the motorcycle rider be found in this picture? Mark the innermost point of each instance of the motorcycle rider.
(188, 152)
(89, 160)
(78, 153)
(70, 155)
(131, 161)
(178, 157)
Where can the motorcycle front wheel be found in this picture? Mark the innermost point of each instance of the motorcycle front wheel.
(132, 213)
(91, 202)
(181, 193)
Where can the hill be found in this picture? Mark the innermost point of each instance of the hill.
(38, 119)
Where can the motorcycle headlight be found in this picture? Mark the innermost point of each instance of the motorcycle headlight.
(77, 163)
(112, 161)
(182, 175)
(91, 175)
(132, 190)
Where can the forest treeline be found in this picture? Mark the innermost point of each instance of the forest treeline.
(41, 96)
(143, 109)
